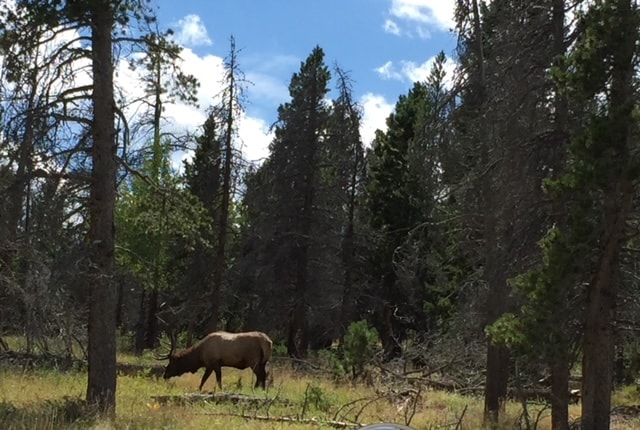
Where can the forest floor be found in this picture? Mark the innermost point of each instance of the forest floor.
(38, 395)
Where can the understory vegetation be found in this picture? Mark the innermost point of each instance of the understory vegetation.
(298, 399)
(483, 244)
(43, 391)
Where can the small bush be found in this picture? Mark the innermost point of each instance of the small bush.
(126, 342)
(360, 346)
(333, 360)
(318, 398)
(279, 350)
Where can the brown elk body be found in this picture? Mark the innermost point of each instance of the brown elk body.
(221, 349)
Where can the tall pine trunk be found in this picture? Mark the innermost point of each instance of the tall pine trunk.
(498, 357)
(559, 360)
(598, 341)
(599, 336)
(560, 388)
(223, 220)
(101, 384)
(298, 336)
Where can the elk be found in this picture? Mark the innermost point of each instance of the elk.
(222, 349)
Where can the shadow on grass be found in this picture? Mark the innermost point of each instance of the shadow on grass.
(51, 414)
(71, 413)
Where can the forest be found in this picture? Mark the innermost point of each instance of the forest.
(489, 229)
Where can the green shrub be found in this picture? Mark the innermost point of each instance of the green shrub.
(316, 396)
(279, 350)
(333, 360)
(126, 342)
(360, 347)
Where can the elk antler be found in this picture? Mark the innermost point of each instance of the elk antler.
(172, 347)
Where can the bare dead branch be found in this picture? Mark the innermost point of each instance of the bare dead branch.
(291, 420)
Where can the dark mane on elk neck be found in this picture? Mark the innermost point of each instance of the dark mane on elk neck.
(187, 352)
(188, 360)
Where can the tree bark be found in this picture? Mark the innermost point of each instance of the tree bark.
(498, 357)
(560, 389)
(101, 384)
(297, 339)
(223, 221)
(599, 335)
(559, 364)
(390, 346)
(495, 394)
(347, 305)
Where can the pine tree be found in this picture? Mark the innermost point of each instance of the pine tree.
(229, 110)
(344, 180)
(392, 197)
(295, 155)
(203, 177)
(602, 179)
(503, 125)
(282, 198)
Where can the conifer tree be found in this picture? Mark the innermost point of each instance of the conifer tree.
(345, 185)
(505, 54)
(282, 198)
(295, 154)
(391, 200)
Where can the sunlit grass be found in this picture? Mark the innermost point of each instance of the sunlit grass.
(50, 399)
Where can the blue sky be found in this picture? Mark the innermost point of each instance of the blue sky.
(385, 45)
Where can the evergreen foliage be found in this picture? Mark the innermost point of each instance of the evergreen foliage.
(498, 202)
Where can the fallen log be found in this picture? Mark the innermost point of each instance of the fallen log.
(234, 398)
(290, 420)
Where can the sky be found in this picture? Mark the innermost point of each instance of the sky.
(384, 45)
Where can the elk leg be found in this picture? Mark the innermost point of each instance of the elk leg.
(261, 376)
(218, 375)
(207, 373)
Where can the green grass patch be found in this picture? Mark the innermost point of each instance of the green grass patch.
(45, 398)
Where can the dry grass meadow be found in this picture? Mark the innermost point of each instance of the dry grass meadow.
(34, 398)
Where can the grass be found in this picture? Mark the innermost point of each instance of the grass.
(50, 399)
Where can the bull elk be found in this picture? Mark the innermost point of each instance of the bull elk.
(221, 349)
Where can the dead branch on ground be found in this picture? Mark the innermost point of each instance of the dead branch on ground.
(291, 420)
(220, 398)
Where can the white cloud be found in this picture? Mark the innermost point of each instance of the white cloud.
(190, 31)
(417, 17)
(255, 137)
(209, 70)
(390, 26)
(375, 112)
(417, 72)
(410, 71)
(387, 71)
(420, 72)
